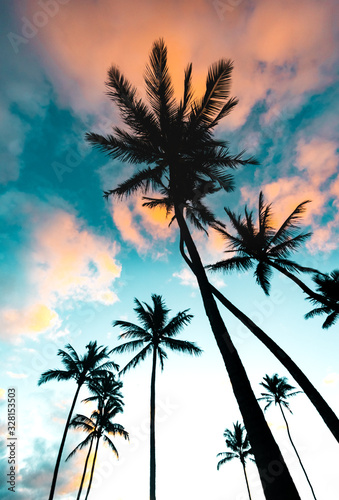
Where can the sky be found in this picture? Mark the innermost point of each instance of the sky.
(71, 262)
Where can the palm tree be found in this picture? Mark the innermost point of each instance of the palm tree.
(278, 391)
(264, 246)
(154, 334)
(184, 163)
(328, 287)
(106, 389)
(238, 442)
(82, 370)
(98, 426)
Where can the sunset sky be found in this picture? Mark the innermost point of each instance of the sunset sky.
(71, 262)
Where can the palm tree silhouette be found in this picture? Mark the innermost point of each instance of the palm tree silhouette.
(105, 389)
(81, 369)
(328, 287)
(278, 391)
(238, 442)
(265, 246)
(153, 335)
(184, 163)
(98, 426)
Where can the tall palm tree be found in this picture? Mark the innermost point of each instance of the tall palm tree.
(328, 287)
(278, 391)
(265, 247)
(98, 426)
(153, 335)
(82, 370)
(238, 442)
(105, 389)
(184, 163)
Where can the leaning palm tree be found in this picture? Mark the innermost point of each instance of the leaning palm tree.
(98, 426)
(278, 391)
(265, 247)
(105, 389)
(328, 287)
(81, 369)
(184, 163)
(153, 335)
(238, 442)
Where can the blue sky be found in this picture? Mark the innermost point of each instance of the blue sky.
(71, 262)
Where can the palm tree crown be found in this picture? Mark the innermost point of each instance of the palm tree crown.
(328, 287)
(238, 442)
(155, 332)
(81, 369)
(278, 391)
(264, 245)
(174, 140)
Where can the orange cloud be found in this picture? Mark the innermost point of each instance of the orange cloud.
(66, 260)
(141, 226)
(278, 47)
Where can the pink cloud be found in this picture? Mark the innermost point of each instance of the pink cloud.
(286, 38)
(65, 261)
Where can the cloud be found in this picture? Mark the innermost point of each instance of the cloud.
(331, 379)
(17, 375)
(316, 163)
(61, 260)
(147, 230)
(279, 48)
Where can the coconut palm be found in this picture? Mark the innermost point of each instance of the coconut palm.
(278, 391)
(265, 247)
(98, 426)
(183, 163)
(238, 442)
(328, 287)
(105, 389)
(153, 335)
(81, 369)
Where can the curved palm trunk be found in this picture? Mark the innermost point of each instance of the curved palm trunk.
(295, 449)
(324, 410)
(152, 428)
(248, 488)
(62, 444)
(85, 469)
(93, 467)
(301, 284)
(275, 477)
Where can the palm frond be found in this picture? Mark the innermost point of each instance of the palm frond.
(177, 323)
(217, 91)
(234, 263)
(292, 222)
(181, 346)
(139, 357)
(55, 375)
(262, 275)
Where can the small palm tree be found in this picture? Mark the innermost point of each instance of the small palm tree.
(264, 246)
(278, 391)
(238, 442)
(106, 389)
(328, 287)
(153, 335)
(82, 370)
(98, 426)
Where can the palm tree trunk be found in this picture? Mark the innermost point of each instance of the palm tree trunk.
(248, 488)
(152, 427)
(85, 469)
(62, 444)
(275, 477)
(324, 410)
(93, 466)
(301, 284)
(295, 449)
